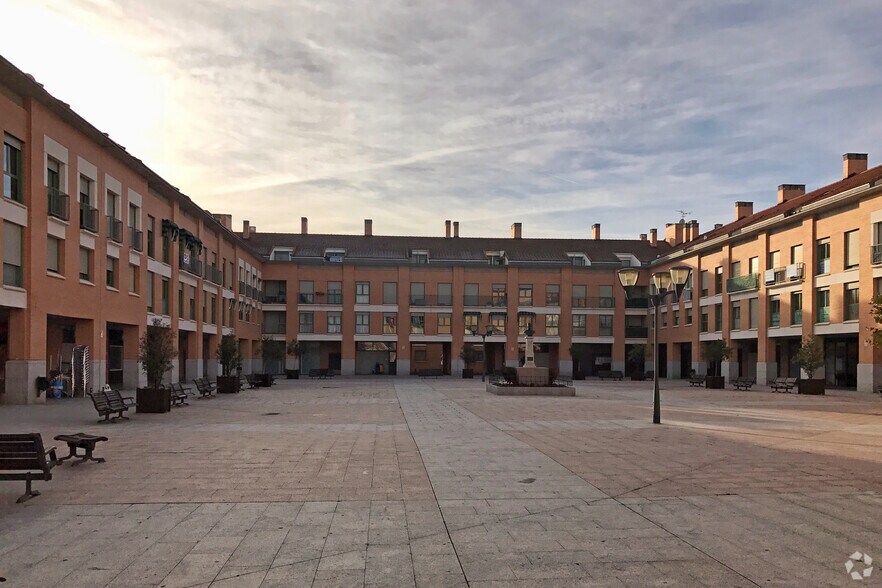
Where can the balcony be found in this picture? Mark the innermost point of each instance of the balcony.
(431, 300)
(269, 329)
(637, 303)
(280, 298)
(242, 288)
(795, 272)
(214, 275)
(88, 218)
(876, 254)
(136, 239)
(190, 263)
(742, 283)
(487, 301)
(636, 332)
(59, 204)
(114, 229)
(594, 302)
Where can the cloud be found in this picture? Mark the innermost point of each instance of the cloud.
(491, 112)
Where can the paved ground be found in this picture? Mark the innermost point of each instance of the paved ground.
(353, 482)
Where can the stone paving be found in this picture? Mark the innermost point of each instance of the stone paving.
(404, 482)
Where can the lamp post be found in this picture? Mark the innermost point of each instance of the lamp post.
(484, 336)
(677, 277)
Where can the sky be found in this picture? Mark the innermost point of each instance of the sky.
(555, 114)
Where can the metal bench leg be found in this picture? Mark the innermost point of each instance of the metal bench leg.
(29, 493)
(88, 456)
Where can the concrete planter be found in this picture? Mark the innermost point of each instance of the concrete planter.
(153, 401)
(468, 373)
(292, 374)
(531, 390)
(814, 387)
(227, 384)
(715, 382)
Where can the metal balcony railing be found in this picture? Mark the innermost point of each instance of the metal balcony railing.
(59, 204)
(594, 302)
(489, 301)
(214, 275)
(335, 297)
(742, 283)
(876, 254)
(190, 263)
(637, 303)
(431, 300)
(794, 272)
(114, 229)
(136, 239)
(280, 298)
(636, 332)
(269, 329)
(824, 266)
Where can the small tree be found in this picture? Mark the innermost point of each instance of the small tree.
(715, 352)
(810, 356)
(272, 351)
(876, 309)
(228, 355)
(468, 355)
(293, 350)
(156, 349)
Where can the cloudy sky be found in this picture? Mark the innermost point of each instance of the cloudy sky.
(556, 114)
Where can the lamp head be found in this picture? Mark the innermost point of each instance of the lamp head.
(662, 281)
(680, 276)
(628, 276)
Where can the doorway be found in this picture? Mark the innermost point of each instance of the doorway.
(115, 355)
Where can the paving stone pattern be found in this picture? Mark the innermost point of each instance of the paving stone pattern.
(404, 482)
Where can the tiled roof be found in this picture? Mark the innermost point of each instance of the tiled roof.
(392, 248)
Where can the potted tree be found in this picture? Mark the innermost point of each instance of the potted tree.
(469, 356)
(637, 362)
(714, 354)
(810, 358)
(273, 354)
(577, 351)
(156, 350)
(231, 360)
(293, 350)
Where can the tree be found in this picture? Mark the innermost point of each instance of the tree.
(468, 355)
(156, 349)
(272, 351)
(294, 350)
(715, 352)
(228, 355)
(876, 305)
(810, 356)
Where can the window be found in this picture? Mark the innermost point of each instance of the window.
(134, 279)
(419, 257)
(192, 303)
(165, 293)
(525, 295)
(796, 254)
(753, 262)
(166, 247)
(823, 256)
(470, 295)
(390, 323)
(774, 259)
(552, 325)
(524, 321)
(796, 308)
(85, 264)
(578, 260)
(704, 321)
(13, 187)
(718, 317)
(580, 325)
(735, 269)
(417, 323)
(852, 308)
(718, 280)
(705, 279)
(606, 297)
(497, 321)
(417, 294)
(281, 256)
(445, 294)
(390, 293)
(689, 316)
(53, 255)
(664, 319)
(335, 322)
(753, 313)
(606, 325)
(362, 323)
(306, 292)
(335, 293)
(580, 296)
(774, 311)
(444, 324)
(852, 249)
(13, 257)
(736, 315)
(274, 322)
(150, 290)
(822, 297)
(306, 325)
(471, 323)
(362, 293)
(112, 264)
(497, 295)
(86, 191)
(181, 301)
(552, 295)
(676, 318)
(213, 317)
(151, 236)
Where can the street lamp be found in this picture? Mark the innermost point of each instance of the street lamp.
(677, 277)
(490, 330)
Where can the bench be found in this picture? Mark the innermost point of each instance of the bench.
(320, 373)
(610, 375)
(430, 373)
(561, 381)
(179, 394)
(204, 387)
(117, 400)
(80, 441)
(23, 458)
(105, 409)
(783, 384)
(743, 383)
(696, 380)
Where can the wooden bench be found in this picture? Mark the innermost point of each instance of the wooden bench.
(179, 394)
(204, 387)
(80, 441)
(783, 384)
(696, 380)
(23, 458)
(105, 409)
(430, 373)
(610, 375)
(743, 383)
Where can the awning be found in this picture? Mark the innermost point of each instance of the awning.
(501, 313)
(471, 313)
(170, 228)
(526, 313)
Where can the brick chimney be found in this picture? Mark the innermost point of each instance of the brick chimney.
(447, 229)
(246, 229)
(225, 219)
(788, 191)
(693, 230)
(516, 231)
(304, 225)
(653, 237)
(455, 229)
(743, 209)
(368, 227)
(643, 236)
(595, 231)
(674, 233)
(853, 163)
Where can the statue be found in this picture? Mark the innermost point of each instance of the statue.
(529, 356)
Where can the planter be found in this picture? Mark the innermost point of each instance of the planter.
(468, 373)
(264, 380)
(292, 374)
(227, 384)
(815, 386)
(150, 400)
(715, 382)
(578, 376)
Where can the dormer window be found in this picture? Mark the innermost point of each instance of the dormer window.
(579, 259)
(281, 255)
(334, 255)
(628, 260)
(419, 256)
(496, 257)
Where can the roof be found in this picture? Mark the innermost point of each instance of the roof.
(455, 249)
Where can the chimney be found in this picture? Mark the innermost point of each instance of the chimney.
(253, 230)
(246, 229)
(368, 227)
(304, 225)
(693, 231)
(516, 231)
(674, 233)
(653, 237)
(455, 229)
(743, 209)
(853, 163)
(643, 236)
(595, 231)
(447, 229)
(225, 219)
(788, 191)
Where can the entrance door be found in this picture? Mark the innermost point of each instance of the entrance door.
(841, 359)
(334, 361)
(663, 360)
(115, 357)
(182, 357)
(685, 359)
